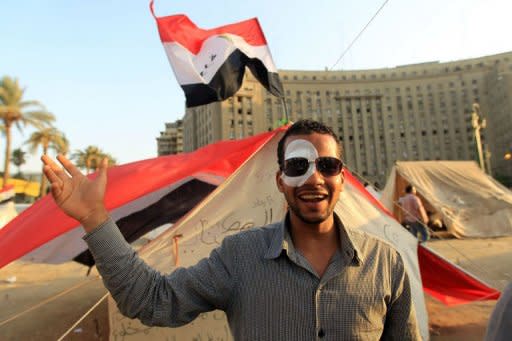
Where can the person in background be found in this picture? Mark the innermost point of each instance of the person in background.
(414, 215)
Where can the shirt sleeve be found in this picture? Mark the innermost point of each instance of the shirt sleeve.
(401, 323)
(156, 299)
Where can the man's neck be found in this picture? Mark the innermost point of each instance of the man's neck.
(317, 242)
(321, 231)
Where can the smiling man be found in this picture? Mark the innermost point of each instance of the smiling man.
(305, 278)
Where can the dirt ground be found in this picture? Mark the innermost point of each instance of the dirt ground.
(67, 293)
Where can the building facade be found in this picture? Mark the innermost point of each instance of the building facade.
(170, 141)
(411, 112)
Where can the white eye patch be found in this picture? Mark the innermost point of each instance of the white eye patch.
(300, 148)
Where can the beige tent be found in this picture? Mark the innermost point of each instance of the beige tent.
(469, 202)
(250, 198)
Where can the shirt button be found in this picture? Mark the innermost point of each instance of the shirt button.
(321, 333)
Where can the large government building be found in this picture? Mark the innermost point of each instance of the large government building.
(411, 112)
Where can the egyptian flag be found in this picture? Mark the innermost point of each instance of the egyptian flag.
(210, 64)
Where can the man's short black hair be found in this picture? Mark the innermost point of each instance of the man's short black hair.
(408, 189)
(305, 127)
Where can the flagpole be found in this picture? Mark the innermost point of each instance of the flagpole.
(285, 109)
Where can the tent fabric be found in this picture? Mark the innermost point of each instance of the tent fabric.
(442, 279)
(470, 203)
(167, 210)
(7, 207)
(250, 198)
(434, 272)
(7, 213)
(131, 188)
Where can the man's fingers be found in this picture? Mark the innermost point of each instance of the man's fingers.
(50, 174)
(102, 171)
(49, 162)
(56, 170)
(68, 165)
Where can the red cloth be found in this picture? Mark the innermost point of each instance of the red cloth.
(449, 284)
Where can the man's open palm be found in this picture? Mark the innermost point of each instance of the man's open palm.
(78, 196)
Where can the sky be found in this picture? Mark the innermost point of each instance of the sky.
(100, 68)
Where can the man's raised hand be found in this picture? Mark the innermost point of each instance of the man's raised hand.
(78, 196)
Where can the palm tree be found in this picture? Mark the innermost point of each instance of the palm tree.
(90, 157)
(48, 138)
(18, 159)
(14, 110)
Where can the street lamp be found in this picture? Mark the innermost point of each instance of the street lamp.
(477, 126)
(508, 166)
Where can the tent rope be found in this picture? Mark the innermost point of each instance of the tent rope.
(48, 300)
(83, 317)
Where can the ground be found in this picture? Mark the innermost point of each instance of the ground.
(59, 295)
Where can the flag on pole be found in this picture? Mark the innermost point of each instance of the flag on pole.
(210, 64)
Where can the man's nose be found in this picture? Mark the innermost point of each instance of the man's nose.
(315, 178)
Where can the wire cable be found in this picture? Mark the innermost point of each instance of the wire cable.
(358, 35)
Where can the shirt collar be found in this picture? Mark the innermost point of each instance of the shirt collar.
(282, 241)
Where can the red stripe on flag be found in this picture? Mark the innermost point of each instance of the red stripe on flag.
(180, 29)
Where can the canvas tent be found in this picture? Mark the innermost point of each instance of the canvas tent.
(248, 197)
(469, 202)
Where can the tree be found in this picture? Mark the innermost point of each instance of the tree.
(89, 158)
(48, 138)
(18, 159)
(15, 110)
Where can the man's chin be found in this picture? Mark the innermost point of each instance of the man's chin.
(313, 220)
(311, 217)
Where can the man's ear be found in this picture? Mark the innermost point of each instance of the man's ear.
(343, 175)
(279, 181)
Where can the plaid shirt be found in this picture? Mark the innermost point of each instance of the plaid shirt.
(268, 290)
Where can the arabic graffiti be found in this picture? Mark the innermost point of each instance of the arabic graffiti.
(211, 326)
(213, 233)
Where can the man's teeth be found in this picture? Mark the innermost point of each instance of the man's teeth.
(312, 196)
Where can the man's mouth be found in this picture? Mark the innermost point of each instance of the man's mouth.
(311, 197)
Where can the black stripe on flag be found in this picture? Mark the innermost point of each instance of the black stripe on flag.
(228, 79)
(169, 209)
